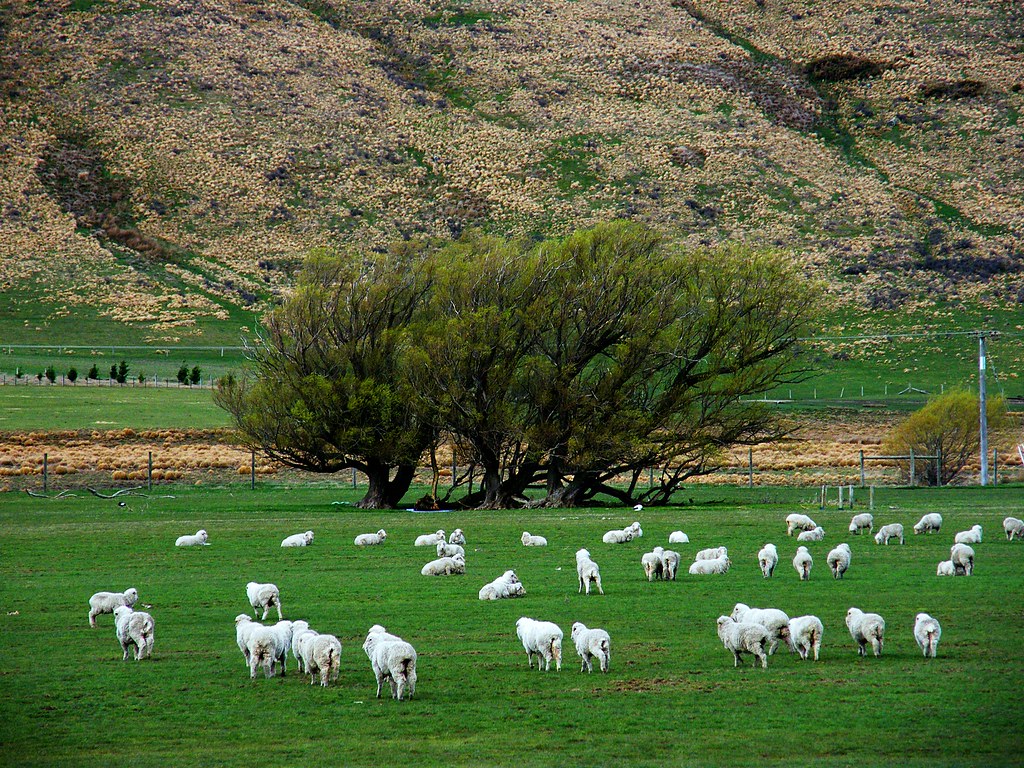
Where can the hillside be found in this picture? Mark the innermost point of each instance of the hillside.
(167, 163)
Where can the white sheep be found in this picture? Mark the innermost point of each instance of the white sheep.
(617, 537)
(858, 523)
(543, 638)
(678, 537)
(799, 522)
(263, 596)
(946, 568)
(267, 646)
(930, 523)
(457, 537)
(815, 534)
(392, 659)
(430, 539)
(927, 633)
(301, 638)
(506, 585)
(298, 540)
(866, 628)
(714, 553)
(972, 536)
(767, 559)
(636, 530)
(839, 560)
(587, 571)
(962, 557)
(370, 539)
(803, 562)
(134, 628)
(743, 638)
(805, 635)
(197, 539)
(890, 531)
(445, 566)
(707, 567)
(670, 564)
(106, 602)
(530, 540)
(653, 564)
(299, 628)
(1013, 526)
(772, 619)
(591, 644)
(449, 550)
(321, 654)
(244, 627)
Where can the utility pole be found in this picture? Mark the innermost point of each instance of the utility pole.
(983, 417)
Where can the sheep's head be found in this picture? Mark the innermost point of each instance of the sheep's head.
(577, 627)
(511, 576)
(383, 535)
(526, 537)
(309, 537)
(739, 611)
(202, 535)
(131, 596)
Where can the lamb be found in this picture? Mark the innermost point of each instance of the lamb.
(890, 531)
(803, 562)
(445, 566)
(678, 537)
(533, 541)
(743, 638)
(617, 537)
(430, 539)
(298, 540)
(805, 635)
(772, 619)
(591, 643)
(930, 523)
(267, 646)
(392, 659)
(1013, 526)
(542, 638)
(636, 530)
(321, 654)
(707, 567)
(506, 585)
(815, 534)
(457, 537)
(134, 628)
(370, 539)
(244, 627)
(653, 564)
(798, 522)
(715, 553)
(298, 628)
(866, 628)
(587, 571)
(972, 536)
(859, 522)
(263, 596)
(197, 539)
(670, 564)
(449, 550)
(962, 557)
(107, 602)
(946, 568)
(839, 560)
(768, 558)
(927, 633)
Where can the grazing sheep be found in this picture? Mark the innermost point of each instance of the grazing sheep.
(134, 628)
(533, 541)
(767, 559)
(815, 534)
(946, 568)
(839, 560)
(805, 635)
(930, 523)
(1013, 526)
(197, 539)
(591, 643)
(506, 585)
(587, 571)
(392, 659)
(636, 530)
(430, 539)
(715, 553)
(890, 531)
(106, 602)
(263, 596)
(927, 633)
(707, 567)
(743, 638)
(542, 638)
(445, 566)
(670, 564)
(370, 539)
(299, 628)
(267, 646)
(654, 566)
(298, 540)
(798, 522)
(962, 557)
(866, 628)
(772, 619)
(449, 550)
(859, 522)
(321, 653)
(678, 537)
(973, 536)
(244, 627)
(617, 537)
(457, 537)
(803, 562)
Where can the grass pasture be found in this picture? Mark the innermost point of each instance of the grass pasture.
(672, 696)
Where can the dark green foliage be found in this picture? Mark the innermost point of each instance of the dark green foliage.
(183, 374)
(952, 89)
(72, 374)
(50, 373)
(122, 372)
(195, 375)
(113, 371)
(94, 372)
(843, 66)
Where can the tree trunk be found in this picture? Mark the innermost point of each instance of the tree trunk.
(385, 492)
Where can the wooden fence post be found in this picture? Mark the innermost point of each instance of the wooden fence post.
(913, 479)
(149, 472)
(252, 470)
(871, 498)
(750, 467)
(46, 478)
(862, 469)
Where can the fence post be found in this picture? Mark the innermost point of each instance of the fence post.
(938, 467)
(840, 489)
(149, 472)
(354, 485)
(912, 477)
(862, 469)
(851, 495)
(455, 467)
(650, 478)
(871, 498)
(750, 467)
(821, 500)
(252, 470)
(995, 467)
(45, 471)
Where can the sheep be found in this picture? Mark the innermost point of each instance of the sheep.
(430, 539)
(707, 567)
(449, 550)
(1013, 526)
(839, 560)
(963, 559)
(930, 523)
(617, 537)
(972, 536)
(299, 628)
(392, 659)
(106, 602)
(543, 638)
(767, 559)
(653, 564)
(298, 540)
(670, 564)
(134, 628)
(715, 553)
(743, 638)
(530, 540)
(772, 619)
(636, 530)
(591, 643)
(805, 635)
(445, 566)
(263, 596)
(890, 531)
(587, 571)
(197, 539)
(946, 568)
(815, 534)
(803, 562)
(678, 537)
(244, 627)
(502, 587)
(370, 539)
(267, 646)
(796, 521)
(321, 653)
(457, 537)
(859, 522)
(927, 633)
(866, 628)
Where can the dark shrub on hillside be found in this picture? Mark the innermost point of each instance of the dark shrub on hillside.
(952, 89)
(94, 372)
(843, 66)
(72, 374)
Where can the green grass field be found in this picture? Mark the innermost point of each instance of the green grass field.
(672, 696)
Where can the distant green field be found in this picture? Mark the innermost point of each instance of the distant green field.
(672, 696)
